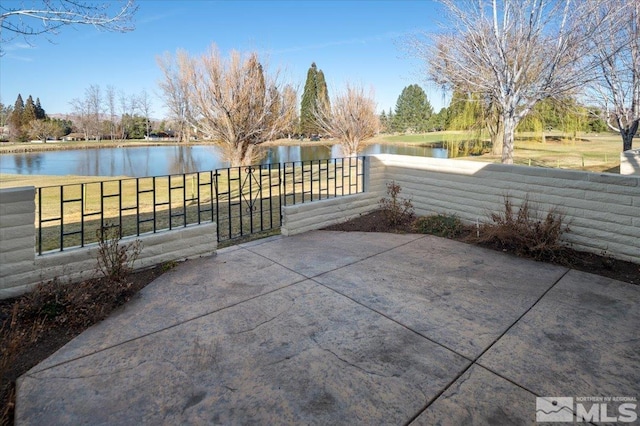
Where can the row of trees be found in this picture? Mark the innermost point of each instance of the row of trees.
(240, 104)
(96, 116)
(114, 115)
(28, 120)
(511, 55)
(414, 114)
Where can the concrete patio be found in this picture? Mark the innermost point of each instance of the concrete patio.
(346, 328)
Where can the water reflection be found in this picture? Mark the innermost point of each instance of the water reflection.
(173, 159)
(25, 165)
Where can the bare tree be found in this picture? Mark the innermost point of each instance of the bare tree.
(514, 53)
(46, 17)
(352, 119)
(617, 50)
(176, 91)
(144, 104)
(127, 107)
(232, 101)
(93, 101)
(81, 116)
(111, 107)
(42, 130)
(284, 109)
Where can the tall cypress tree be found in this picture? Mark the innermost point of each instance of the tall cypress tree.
(309, 98)
(315, 96)
(323, 93)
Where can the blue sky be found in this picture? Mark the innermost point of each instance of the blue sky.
(351, 41)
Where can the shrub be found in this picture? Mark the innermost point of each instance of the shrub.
(115, 260)
(396, 210)
(524, 233)
(442, 225)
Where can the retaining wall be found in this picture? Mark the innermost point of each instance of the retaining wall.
(630, 162)
(318, 214)
(21, 268)
(602, 209)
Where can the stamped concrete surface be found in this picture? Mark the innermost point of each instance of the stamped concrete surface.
(345, 328)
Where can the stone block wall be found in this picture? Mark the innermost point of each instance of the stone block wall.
(602, 209)
(21, 268)
(630, 162)
(318, 214)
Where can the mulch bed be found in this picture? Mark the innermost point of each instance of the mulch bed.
(37, 332)
(582, 261)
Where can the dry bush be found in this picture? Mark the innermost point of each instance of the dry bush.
(521, 231)
(396, 210)
(115, 260)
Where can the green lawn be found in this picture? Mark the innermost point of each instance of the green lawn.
(597, 153)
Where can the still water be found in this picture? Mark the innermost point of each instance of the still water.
(175, 159)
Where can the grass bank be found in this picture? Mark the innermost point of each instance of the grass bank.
(587, 151)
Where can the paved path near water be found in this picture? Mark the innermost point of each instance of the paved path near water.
(347, 328)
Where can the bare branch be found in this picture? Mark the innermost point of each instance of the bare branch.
(48, 16)
(616, 48)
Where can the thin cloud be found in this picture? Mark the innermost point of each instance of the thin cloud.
(353, 41)
(19, 58)
(154, 18)
(17, 46)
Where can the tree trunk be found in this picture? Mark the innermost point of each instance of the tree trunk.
(627, 135)
(509, 136)
(497, 139)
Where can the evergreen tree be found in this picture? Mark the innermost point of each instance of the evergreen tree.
(384, 122)
(323, 93)
(40, 113)
(413, 110)
(390, 120)
(438, 121)
(29, 113)
(15, 119)
(315, 96)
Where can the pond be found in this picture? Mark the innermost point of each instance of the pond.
(174, 159)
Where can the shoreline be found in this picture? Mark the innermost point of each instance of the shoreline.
(26, 147)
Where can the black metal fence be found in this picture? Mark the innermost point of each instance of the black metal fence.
(241, 200)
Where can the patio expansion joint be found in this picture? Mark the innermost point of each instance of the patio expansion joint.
(475, 360)
(311, 277)
(133, 339)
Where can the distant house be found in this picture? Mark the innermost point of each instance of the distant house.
(161, 136)
(74, 137)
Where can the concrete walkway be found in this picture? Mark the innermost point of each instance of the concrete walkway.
(347, 328)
